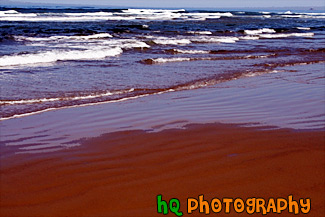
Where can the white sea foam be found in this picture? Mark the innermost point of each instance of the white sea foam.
(124, 43)
(205, 16)
(128, 14)
(166, 60)
(253, 74)
(129, 44)
(303, 28)
(200, 32)
(258, 57)
(151, 14)
(96, 40)
(100, 13)
(56, 55)
(132, 14)
(42, 100)
(62, 17)
(71, 48)
(214, 39)
(249, 37)
(13, 13)
(36, 18)
(151, 11)
(192, 51)
(259, 31)
(315, 14)
(287, 35)
(171, 41)
(95, 36)
(86, 104)
(64, 37)
(305, 15)
(208, 15)
(2, 13)
(294, 16)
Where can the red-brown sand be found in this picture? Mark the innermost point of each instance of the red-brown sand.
(120, 174)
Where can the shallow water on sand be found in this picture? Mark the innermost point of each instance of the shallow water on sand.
(284, 99)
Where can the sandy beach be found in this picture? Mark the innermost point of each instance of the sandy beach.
(121, 173)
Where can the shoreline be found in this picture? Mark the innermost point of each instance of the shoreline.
(254, 101)
(120, 173)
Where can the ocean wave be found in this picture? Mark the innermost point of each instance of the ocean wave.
(175, 51)
(185, 59)
(151, 11)
(57, 18)
(127, 14)
(165, 60)
(200, 32)
(100, 13)
(13, 13)
(171, 41)
(163, 14)
(141, 14)
(214, 39)
(259, 31)
(57, 55)
(192, 39)
(303, 28)
(95, 40)
(130, 44)
(64, 37)
(308, 35)
(249, 37)
(289, 14)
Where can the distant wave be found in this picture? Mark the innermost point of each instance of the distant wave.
(63, 37)
(194, 39)
(171, 41)
(286, 35)
(259, 31)
(140, 14)
(214, 39)
(128, 14)
(303, 28)
(200, 32)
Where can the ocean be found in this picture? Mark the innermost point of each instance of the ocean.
(58, 58)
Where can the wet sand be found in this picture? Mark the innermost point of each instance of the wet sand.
(121, 173)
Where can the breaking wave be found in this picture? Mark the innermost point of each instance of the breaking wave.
(57, 55)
